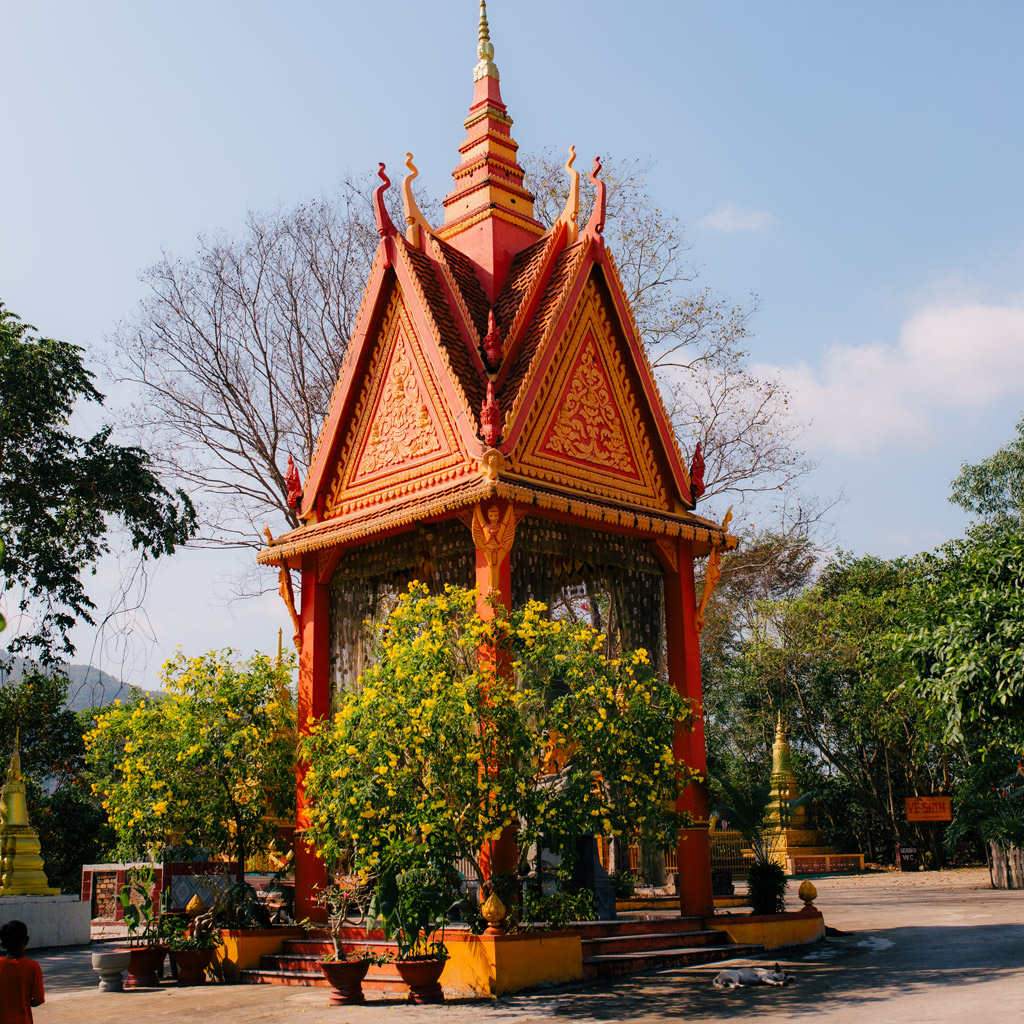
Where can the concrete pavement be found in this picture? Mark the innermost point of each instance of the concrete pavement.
(929, 947)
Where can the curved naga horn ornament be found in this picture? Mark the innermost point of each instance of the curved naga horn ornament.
(571, 214)
(413, 218)
(595, 226)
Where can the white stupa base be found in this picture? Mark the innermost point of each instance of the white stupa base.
(51, 920)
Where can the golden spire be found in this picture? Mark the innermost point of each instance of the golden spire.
(484, 49)
(21, 866)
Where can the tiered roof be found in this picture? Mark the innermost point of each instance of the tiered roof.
(492, 357)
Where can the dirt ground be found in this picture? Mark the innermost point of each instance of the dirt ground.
(927, 947)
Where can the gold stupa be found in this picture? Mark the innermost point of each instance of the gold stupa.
(21, 866)
(785, 826)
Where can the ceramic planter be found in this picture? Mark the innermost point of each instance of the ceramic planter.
(144, 966)
(422, 975)
(192, 964)
(346, 980)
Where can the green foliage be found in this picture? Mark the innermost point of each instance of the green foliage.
(994, 487)
(967, 649)
(625, 884)
(580, 745)
(140, 907)
(766, 888)
(559, 908)
(415, 906)
(209, 765)
(59, 492)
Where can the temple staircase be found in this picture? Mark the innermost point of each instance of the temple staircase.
(296, 964)
(611, 949)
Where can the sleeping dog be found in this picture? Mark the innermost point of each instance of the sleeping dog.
(751, 976)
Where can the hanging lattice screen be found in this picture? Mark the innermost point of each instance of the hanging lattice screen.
(369, 578)
(609, 580)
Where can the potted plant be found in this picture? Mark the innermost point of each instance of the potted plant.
(345, 903)
(192, 949)
(415, 907)
(141, 915)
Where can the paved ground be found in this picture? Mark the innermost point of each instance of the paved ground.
(931, 947)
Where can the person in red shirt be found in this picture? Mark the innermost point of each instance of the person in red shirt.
(21, 979)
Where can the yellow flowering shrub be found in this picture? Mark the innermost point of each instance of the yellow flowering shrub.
(439, 750)
(208, 765)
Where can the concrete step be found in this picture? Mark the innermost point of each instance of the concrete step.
(378, 979)
(640, 942)
(615, 965)
(638, 926)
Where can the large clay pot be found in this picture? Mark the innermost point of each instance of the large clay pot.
(422, 976)
(192, 964)
(110, 967)
(144, 966)
(346, 978)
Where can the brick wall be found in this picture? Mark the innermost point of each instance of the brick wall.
(104, 895)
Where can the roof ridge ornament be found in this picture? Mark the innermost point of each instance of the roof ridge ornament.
(485, 68)
(595, 226)
(413, 218)
(571, 214)
(385, 225)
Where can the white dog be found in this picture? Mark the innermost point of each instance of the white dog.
(751, 976)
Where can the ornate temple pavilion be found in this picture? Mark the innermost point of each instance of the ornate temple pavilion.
(496, 424)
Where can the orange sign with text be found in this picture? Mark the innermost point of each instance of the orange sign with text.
(929, 808)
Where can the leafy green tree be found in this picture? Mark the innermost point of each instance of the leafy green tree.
(436, 753)
(209, 765)
(966, 642)
(59, 492)
(995, 486)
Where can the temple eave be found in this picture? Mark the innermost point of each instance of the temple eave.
(379, 519)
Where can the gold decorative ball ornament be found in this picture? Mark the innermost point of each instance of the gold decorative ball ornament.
(807, 892)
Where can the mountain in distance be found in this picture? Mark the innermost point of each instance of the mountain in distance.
(90, 687)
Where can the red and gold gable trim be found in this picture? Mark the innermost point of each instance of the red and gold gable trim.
(587, 432)
(401, 438)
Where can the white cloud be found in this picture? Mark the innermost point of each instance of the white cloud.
(729, 216)
(948, 360)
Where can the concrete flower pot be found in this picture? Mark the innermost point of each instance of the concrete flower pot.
(110, 967)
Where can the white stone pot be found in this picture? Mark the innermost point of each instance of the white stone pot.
(110, 967)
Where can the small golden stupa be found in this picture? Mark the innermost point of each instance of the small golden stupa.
(785, 827)
(21, 866)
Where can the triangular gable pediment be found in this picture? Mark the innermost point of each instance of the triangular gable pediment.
(587, 431)
(588, 416)
(401, 437)
(403, 327)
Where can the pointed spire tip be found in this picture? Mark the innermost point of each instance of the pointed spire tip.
(484, 49)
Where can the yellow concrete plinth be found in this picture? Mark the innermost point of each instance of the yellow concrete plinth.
(484, 965)
(243, 947)
(771, 930)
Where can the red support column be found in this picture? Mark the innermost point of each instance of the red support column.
(313, 706)
(695, 896)
(493, 534)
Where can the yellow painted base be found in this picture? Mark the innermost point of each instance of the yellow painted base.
(242, 948)
(481, 965)
(770, 930)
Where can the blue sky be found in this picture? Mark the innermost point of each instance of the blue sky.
(856, 165)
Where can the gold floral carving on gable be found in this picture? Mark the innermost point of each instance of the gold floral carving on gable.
(586, 431)
(401, 437)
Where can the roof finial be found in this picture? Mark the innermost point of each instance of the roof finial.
(413, 218)
(571, 213)
(484, 49)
